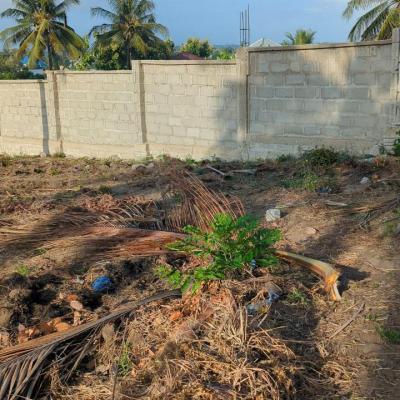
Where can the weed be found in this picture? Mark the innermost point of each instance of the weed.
(103, 189)
(23, 270)
(229, 247)
(286, 158)
(125, 363)
(59, 154)
(189, 161)
(296, 296)
(396, 145)
(390, 228)
(39, 251)
(389, 335)
(321, 157)
(55, 172)
(372, 317)
(5, 161)
(305, 180)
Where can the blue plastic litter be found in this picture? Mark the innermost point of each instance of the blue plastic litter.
(253, 264)
(102, 284)
(272, 297)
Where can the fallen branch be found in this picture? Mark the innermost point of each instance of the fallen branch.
(323, 269)
(24, 367)
(348, 322)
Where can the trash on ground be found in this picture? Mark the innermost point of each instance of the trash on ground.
(102, 284)
(365, 181)
(273, 214)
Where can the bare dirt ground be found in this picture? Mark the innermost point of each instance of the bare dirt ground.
(298, 348)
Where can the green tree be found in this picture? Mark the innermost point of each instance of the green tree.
(100, 58)
(161, 50)
(201, 48)
(224, 54)
(11, 68)
(302, 36)
(42, 30)
(131, 26)
(381, 18)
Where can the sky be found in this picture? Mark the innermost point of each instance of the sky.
(218, 20)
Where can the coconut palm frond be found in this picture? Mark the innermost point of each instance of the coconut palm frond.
(24, 368)
(391, 22)
(355, 5)
(47, 20)
(377, 23)
(130, 24)
(197, 204)
(301, 37)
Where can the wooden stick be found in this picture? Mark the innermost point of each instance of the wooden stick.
(348, 322)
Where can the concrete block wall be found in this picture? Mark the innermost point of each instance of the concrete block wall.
(22, 116)
(268, 102)
(336, 95)
(97, 114)
(190, 107)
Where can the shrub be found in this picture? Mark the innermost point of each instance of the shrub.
(304, 180)
(321, 157)
(230, 246)
(396, 145)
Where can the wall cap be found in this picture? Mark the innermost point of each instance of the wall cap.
(319, 46)
(185, 62)
(22, 81)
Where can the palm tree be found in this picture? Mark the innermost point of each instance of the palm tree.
(42, 29)
(131, 25)
(302, 36)
(377, 23)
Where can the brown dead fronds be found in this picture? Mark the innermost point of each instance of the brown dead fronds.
(222, 358)
(25, 367)
(192, 203)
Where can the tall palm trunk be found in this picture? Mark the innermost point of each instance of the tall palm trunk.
(128, 57)
(50, 56)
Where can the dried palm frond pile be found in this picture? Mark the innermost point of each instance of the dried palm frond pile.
(216, 355)
(187, 202)
(23, 368)
(192, 203)
(107, 228)
(101, 228)
(373, 211)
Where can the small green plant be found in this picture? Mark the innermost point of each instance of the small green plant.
(230, 246)
(286, 158)
(191, 162)
(39, 251)
(59, 154)
(372, 317)
(23, 270)
(389, 335)
(396, 145)
(55, 172)
(305, 180)
(125, 363)
(321, 157)
(5, 161)
(296, 296)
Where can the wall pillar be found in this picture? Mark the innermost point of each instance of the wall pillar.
(140, 101)
(395, 87)
(243, 108)
(52, 122)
